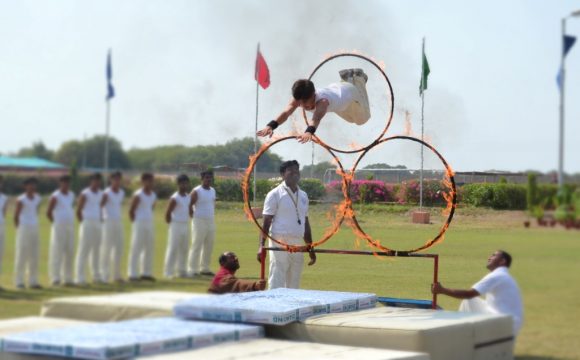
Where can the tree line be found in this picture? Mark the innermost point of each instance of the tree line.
(89, 154)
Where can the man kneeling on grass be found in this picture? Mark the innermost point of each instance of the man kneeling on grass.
(225, 281)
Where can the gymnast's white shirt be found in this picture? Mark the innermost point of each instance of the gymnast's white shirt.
(92, 207)
(339, 96)
(181, 211)
(63, 212)
(112, 208)
(280, 204)
(502, 294)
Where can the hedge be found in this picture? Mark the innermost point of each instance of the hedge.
(496, 196)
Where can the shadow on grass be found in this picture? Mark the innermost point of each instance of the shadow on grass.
(192, 285)
(534, 357)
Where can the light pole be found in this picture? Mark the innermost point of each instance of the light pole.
(562, 86)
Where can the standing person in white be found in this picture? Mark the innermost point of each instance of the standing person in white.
(27, 237)
(89, 216)
(143, 232)
(177, 216)
(3, 207)
(502, 295)
(61, 214)
(286, 219)
(113, 237)
(203, 199)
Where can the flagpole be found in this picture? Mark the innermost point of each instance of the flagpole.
(107, 125)
(422, 134)
(561, 132)
(256, 128)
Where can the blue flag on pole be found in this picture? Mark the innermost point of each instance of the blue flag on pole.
(110, 88)
(568, 42)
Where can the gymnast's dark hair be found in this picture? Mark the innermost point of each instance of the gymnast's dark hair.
(182, 178)
(286, 164)
(507, 257)
(302, 89)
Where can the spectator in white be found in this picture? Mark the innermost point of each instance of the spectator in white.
(177, 216)
(113, 236)
(143, 232)
(3, 207)
(90, 233)
(61, 214)
(202, 202)
(502, 295)
(286, 219)
(27, 237)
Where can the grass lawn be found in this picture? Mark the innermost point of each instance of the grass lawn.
(546, 265)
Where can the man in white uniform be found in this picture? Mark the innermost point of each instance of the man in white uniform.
(143, 233)
(113, 236)
(27, 237)
(177, 216)
(61, 214)
(348, 99)
(3, 207)
(202, 202)
(502, 295)
(286, 219)
(90, 234)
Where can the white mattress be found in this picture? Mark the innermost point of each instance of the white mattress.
(116, 307)
(268, 349)
(277, 307)
(445, 335)
(32, 323)
(127, 339)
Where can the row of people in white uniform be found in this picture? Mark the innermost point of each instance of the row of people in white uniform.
(101, 237)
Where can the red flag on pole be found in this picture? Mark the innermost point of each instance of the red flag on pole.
(262, 73)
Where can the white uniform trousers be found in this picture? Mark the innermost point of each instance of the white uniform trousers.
(2, 236)
(285, 267)
(359, 111)
(142, 247)
(89, 249)
(112, 249)
(61, 253)
(26, 260)
(177, 248)
(202, 245)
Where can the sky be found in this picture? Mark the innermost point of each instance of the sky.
(183, 73)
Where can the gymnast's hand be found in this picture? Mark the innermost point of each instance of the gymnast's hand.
(304, 138)
(267, 131)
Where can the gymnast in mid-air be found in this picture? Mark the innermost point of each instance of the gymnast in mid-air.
(348, 99)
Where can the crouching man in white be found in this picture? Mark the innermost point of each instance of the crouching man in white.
(286, 219)
(502, 295)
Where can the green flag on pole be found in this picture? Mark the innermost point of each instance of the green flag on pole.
(424, 73)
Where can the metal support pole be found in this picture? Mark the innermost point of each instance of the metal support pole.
(422, 136)
(107, 126)
(561, 131)
(435, 280)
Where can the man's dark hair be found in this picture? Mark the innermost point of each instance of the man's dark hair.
(64, 178)
(182, 178)
(224, 257)
(206, 173)
(286, 164)
(146, 176)
(116, 175)
(96, 176)
(30, 180)
(507, 257)
(302, 89)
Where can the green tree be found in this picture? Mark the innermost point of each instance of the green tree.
(90, 153)
(38, 149)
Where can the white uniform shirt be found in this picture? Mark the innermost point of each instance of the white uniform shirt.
(63, 212)
(29, 212)
(339, 96)
(3, 200)
(204, 207)
(144, 211)
(282, 203)
(181, 211)
(502, 294)
(92, 208)
(112, 208)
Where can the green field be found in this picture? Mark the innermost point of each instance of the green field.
(545, 264)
